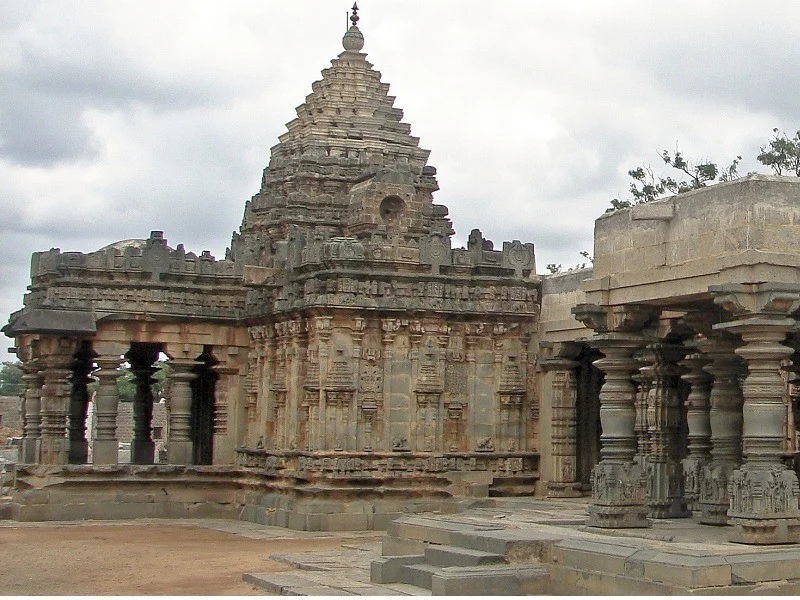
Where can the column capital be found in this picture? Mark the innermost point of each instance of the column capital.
(627, 318)
(768, 300)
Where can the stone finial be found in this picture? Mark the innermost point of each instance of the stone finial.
(353, 40)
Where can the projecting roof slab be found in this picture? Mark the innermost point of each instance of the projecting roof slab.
(670, 251)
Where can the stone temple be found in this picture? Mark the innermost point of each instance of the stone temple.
(344, 364)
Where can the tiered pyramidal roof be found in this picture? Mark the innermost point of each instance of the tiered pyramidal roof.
(346, 153)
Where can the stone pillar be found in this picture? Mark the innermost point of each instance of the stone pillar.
(564, 397)
(698, 418)
(182, 363)
(665, 497)
(142, 445)
(56, 356)
(644, 411)
(32, 417)
(764, 493)
(78, 408)
(105, 445)
(725, 418)
(618, 482)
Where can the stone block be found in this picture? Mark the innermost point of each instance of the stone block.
(387, 568)
(683, 570)
(344, 522)
(404, 528)
(380, 521)
(418, 574)
(765, 566)
(29, 497)
(578, 581)
(593, 556)
(395, 546)
(498, 580)
(453, 556)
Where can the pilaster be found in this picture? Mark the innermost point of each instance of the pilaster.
(563, 396)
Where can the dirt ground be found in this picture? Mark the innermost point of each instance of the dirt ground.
(98, 560)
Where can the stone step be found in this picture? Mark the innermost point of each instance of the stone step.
(419, 574)
(491, 580)
(454, 556)
(484, 580)
(386, 569)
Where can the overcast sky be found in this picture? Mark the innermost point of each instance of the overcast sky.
(117, 118)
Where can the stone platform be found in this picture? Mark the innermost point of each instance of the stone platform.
(526, 546)
(544, 546)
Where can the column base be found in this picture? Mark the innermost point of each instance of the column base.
(179, 453)
(618, 496)
(105, 452)
(674, 509)
(665, 497)
(618, 517)
(764, 505)
(765, 531)
(557, 489)
(53, 451)
(143, 452)
(78, 452)
(713, 513)
(714, 501)
(29, 451)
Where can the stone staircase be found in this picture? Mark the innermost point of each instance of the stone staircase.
(457, 560)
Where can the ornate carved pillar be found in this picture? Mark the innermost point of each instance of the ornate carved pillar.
(105, 445)
(78, 408)
(563, 428)
(698, 418)
(32, 417)
(725, 418)
(56, 356)
(618, 482)
(764, 493)
(666, 498)
(182, 362)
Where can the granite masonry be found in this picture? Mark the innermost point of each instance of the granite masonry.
(344, 364)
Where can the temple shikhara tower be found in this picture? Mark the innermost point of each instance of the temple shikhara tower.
(344, 363)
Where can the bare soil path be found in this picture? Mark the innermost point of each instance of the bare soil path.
(132, 558)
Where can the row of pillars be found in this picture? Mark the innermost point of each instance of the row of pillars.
(735, 472)
(56, 399)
